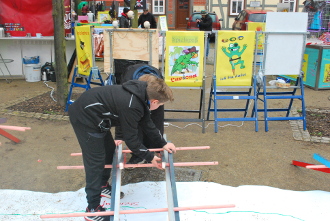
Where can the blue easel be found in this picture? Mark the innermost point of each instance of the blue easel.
(87, 86)
(221, 93)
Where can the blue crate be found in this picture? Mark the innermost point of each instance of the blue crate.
(31, 60)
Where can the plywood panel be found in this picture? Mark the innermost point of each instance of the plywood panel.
(131, 45)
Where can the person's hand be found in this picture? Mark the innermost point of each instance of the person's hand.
(169, 147)
(118, 142)
(155, 163)
(197, 20)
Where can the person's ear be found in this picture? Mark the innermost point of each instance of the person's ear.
(154, 101)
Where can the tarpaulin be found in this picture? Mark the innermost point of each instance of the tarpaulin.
(27, 16)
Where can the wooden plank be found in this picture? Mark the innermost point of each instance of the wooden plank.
(110, 213)
(9, 136)
(184, 164)
(303, 164)
(159, 149)
(321, 159)
(7, 127)
(131, 45)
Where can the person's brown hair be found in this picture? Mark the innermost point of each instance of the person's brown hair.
(157, 88)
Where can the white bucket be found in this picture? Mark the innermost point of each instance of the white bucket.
(32, 72)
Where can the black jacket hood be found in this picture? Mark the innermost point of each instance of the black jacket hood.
(138, 88)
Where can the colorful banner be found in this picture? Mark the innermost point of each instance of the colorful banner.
(67, 16)
(83, 36)
(258, 26)
(184, 58)
(235, 54)
(27, 16)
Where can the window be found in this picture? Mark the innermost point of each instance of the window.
(292, 3)
(236, 6)
(158, 7)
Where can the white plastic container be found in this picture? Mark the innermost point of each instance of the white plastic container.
(32, 72)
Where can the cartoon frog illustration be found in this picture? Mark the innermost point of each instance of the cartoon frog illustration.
(234, 55)
(184, 60)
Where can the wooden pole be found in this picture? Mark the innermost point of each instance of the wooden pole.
(111, 213)
(159, 149)
(184, 164)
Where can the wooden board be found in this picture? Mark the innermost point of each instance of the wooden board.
(131, 45)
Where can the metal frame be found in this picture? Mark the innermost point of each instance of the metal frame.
(201, 111)
(119, 163)
(111, 33)
(4, 61)
(289, 93)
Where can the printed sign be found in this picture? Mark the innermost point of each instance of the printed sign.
(184, 58)
(260, 38)
(162, 23)
(235, 54)
(84, 49)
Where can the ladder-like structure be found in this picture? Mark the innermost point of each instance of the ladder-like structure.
(172, 200)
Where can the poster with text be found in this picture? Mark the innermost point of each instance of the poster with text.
(260, 37)
(84, 49)
(234, 61)
(184, 58)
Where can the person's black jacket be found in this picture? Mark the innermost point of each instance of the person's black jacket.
(124, 106)
(124, 21)
(206, 23)
(133, 72)
(147, 17)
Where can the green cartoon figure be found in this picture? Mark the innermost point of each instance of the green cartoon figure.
(235, 55)
(184, 60)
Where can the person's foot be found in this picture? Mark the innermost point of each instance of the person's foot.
(106, 191)
(135, 160)
(96, 218)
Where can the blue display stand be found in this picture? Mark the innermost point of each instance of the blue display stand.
(87, 86)
(250, 95)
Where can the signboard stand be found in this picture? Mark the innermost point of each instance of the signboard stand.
(86, 60)
(281, 35)
(185, 68)
(233, 79)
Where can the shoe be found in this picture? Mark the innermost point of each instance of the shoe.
(96, 218)
(135, 160)
(106, 191)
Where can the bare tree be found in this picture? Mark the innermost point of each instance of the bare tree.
(60, 54)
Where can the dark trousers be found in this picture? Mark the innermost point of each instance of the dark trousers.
(97, 151)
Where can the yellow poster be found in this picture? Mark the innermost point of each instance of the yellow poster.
(235, 58)
(258, 26)
(103, 16)
(326, 78)
(84, 49)
(184, 58)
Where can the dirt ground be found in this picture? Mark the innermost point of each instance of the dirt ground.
(245, 157)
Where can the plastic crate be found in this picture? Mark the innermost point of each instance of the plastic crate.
(31, 60)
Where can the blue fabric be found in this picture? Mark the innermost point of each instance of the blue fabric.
(144, 70)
